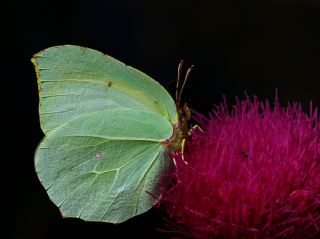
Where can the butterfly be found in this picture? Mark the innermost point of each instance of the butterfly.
(108, 129)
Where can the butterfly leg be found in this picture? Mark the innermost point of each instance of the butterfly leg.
(182, 151)
(183, 144)
(197, 127)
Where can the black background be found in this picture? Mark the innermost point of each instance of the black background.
(236, 46)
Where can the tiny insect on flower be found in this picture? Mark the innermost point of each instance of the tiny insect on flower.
(252, 173)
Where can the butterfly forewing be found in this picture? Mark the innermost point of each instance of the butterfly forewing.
(74, 81)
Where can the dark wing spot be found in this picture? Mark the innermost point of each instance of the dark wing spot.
(156, 102)
(109, 83)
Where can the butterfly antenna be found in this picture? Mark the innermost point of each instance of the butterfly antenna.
(178, 82)
(184, 82)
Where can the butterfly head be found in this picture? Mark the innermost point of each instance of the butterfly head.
(181, 130)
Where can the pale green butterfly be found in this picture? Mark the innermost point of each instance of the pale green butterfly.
(107, 130)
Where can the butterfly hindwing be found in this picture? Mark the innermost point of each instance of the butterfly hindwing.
(103, 173)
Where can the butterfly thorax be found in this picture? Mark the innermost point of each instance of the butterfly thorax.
(181, 130)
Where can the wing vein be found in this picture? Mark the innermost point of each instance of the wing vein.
(122, 189)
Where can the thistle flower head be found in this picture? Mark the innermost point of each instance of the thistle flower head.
(253, 173)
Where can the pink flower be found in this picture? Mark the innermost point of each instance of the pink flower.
(253, 173)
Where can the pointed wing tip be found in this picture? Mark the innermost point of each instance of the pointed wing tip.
(34, 61)
(42, 52)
